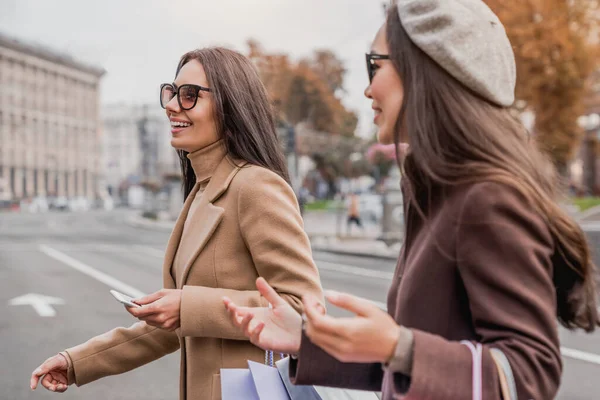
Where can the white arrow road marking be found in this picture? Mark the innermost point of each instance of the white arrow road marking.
(100, 276)
(40, 303)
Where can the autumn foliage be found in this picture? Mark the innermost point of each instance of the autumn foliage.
(556, 48)
(307, 91)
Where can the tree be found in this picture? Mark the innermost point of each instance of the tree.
(329, 68)
(555, 53)
(307, 90)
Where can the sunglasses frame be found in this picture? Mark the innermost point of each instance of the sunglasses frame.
(176, 90)
(370, 57)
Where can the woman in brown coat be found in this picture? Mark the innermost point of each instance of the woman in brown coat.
(240, 221)
(489, 257)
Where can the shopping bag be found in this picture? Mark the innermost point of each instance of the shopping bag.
(308, 392)
(237, 384)
(258, 382)
(267, 382)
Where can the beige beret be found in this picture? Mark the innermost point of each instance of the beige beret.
(468, 40)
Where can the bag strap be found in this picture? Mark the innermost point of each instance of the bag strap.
(505, 374)
(476, 355)
(269, 353)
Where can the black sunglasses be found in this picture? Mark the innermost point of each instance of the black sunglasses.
(187, 95)
(371, 66)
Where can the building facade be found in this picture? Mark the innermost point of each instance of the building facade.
(49, 124)
(137, 147)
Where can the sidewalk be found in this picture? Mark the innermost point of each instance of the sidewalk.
(322, 228)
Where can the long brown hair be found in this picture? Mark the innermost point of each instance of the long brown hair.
(243, 114)
(456, 138)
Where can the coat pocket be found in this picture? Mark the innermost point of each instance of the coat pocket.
(216, 387)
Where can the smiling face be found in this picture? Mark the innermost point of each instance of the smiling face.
(385, 91)
(193, 129)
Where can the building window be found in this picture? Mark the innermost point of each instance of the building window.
(76, 189)
(12, 181)
(47, 182)
(36, 189)
(24, 176)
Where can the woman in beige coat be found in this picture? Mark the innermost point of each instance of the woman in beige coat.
(240, 221)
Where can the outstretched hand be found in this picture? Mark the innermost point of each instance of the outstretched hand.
(352, 339)
(278, 328)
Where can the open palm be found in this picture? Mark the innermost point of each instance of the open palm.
(278, 328)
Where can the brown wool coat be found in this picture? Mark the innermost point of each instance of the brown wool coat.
(480, 270)
(247, 225)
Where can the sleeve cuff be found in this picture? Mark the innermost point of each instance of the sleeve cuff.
(70, 370)
(402, 360)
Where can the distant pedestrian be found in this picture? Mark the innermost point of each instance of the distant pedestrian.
(353, 212)
(240, 221)
(490, 260)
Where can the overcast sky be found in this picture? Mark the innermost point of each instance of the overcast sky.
(139, 42)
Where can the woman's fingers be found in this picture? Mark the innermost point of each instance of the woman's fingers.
(255, 336)
(321, 322)
(236, 313)
(245, 324)
(47, 366)
(151, 298)
(49, 383)
(269, 293)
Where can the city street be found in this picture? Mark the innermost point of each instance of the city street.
(75, 258)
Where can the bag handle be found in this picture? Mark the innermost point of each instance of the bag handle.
(505, 374)
(476, 354)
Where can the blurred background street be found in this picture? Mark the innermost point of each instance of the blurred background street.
(90, 185)
(77, 257)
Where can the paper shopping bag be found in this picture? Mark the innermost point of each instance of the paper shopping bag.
(237, 384)
(267, 382)
(309, 392)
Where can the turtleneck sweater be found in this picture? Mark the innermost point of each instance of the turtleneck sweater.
(204, 162)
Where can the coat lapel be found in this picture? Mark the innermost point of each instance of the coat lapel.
(207, 217)
(174, 240)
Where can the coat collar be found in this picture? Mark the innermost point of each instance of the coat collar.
(205, 161)
(222, 177)
(204, 221)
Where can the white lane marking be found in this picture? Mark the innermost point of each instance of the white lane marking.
(580, 355)
(150, 250)
(592, 226)
(108, 280)
(329, 266)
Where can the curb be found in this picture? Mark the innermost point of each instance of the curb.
(582, 216)
(139, 222)
(356, 253)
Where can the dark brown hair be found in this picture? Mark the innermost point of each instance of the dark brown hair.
(243, 114)
(457, 137)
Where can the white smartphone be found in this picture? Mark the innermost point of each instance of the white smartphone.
(123, 298)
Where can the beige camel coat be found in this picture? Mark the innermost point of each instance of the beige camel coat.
(246, 225)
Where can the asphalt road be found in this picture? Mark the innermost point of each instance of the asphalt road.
(76, 258)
